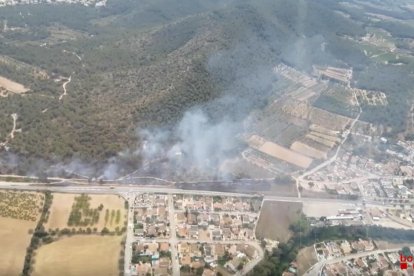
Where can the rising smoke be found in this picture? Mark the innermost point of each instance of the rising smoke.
(207, 135)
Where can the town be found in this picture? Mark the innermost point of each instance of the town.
(216, 235)
(192, 233)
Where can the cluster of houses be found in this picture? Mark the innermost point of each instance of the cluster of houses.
(214, 226)
(335, 249)
(216, 203)
(383, 263)
(151, 216)
(213, 234)
(210, 257)
(347, 165)
(208, 218)
(151, 258)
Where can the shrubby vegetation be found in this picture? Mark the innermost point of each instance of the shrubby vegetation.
(334, 105)
(392, 80)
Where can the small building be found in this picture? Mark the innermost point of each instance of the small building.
(346, 247)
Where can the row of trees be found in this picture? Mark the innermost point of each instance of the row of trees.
(110, 216)
(40, 235)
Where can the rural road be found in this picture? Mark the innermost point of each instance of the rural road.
(11, 134)
(64, 88)
(346, 134)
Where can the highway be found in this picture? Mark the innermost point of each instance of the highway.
(106, 189)
(125, 189)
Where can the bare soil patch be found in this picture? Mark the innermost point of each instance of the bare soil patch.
(319, 209)
(389, 245)
(275, 219)
(12, 86)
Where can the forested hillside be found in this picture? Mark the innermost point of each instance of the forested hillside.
(134, 65)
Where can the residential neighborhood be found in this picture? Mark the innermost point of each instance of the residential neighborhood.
(379, 262)
(194, 234)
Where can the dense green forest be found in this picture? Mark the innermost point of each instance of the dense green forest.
(142, 64)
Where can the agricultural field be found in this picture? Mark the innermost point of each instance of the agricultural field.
(87, 211)
(14, 239)
(288, 213)
(308, 150)
(19, 213)
(59, 211)
(20, 205)
(79, 255)
(328, 120)
(277, 151)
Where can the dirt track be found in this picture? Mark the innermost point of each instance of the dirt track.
(64, 88)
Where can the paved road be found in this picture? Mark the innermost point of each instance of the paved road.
(129, 237)
(173, 238)
(124, 190)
